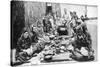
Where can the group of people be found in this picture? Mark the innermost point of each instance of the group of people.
(34, 39)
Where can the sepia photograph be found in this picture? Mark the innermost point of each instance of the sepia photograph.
(52, 33)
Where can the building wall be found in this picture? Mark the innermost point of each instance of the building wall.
(56, 8)
(33, 11)
(90, 10)
(78, 8)
(17, 21)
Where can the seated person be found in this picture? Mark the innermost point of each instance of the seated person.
(82, 39)
(24, 41)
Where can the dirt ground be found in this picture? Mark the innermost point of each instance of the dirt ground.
(92, 28)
